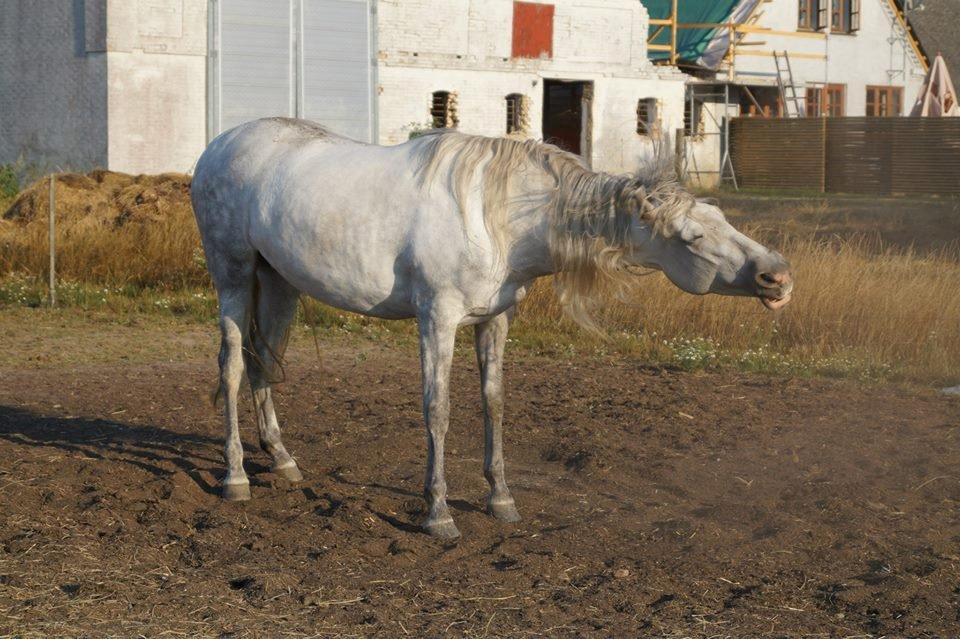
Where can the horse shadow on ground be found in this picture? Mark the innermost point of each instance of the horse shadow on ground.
(154, 449)
(157, 450)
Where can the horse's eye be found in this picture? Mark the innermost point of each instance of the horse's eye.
(693, 239)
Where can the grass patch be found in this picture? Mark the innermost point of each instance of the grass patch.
(863, 308)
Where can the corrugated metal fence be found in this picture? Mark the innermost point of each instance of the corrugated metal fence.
(848, 155)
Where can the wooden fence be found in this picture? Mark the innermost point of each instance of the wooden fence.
(881, 156)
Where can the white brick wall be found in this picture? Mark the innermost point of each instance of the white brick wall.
(465, 46)
(156, 65)
(121, 84)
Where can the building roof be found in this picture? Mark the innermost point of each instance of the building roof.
(935, 24)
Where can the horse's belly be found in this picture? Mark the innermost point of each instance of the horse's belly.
(342, 272)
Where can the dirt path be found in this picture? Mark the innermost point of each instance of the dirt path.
(655, 503)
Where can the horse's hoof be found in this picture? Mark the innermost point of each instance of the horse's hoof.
(291, 473)
(505, 511)
(235, 492)
(441, 529)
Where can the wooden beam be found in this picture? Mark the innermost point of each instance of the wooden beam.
(674, 17)
(655, 34)
(665, 22)
(769, 54)
(752, 28)
(658, 47)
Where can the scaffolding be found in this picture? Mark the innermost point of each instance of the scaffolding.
(725, 90)
(717, 99)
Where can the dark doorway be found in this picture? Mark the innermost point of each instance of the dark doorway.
(565, 109)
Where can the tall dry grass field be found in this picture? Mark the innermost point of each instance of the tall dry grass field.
(857, 304)
(111, 229)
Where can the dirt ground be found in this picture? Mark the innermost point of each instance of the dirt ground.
(656, 503)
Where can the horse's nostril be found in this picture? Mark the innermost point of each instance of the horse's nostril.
(767, 279)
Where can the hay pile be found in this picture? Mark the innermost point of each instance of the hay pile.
(111, 228)
(105, 197)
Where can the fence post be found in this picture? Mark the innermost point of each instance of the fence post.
(53, 235)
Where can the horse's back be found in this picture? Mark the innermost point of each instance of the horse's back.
(337, 218)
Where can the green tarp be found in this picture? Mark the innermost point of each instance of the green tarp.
(691, 43)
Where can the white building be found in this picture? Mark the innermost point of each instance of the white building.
(142, 85)
(846, 58)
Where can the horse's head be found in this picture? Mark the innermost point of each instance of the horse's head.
(700, 252)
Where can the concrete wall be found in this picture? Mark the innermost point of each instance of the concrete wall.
(866, 57)
(465, 46)
(156, 61)
(53, 84)
(118, 84)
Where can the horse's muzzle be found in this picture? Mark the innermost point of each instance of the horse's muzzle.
(774, 288)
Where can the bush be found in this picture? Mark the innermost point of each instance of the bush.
(9, 183)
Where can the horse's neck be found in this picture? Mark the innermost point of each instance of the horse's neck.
(529, 242)
(531, 227)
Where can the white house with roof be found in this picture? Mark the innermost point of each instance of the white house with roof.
(789, 58)
(143, 85)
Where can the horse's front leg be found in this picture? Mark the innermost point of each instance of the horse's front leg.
(437, 336)
(490, 339)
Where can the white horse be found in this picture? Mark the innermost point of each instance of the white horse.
(449, 229)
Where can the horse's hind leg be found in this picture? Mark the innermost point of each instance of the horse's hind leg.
(276, 306)
(236, 299)
(490, 338)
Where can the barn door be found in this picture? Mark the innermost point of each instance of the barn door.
(295, 58)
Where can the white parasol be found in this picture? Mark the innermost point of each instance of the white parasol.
(937, 98)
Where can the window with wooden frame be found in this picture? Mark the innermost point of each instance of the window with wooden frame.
(828, 100)
(648, 118)
(884, 101)
(443, 110)
(518, 118)
(846, 16)
(812, 15)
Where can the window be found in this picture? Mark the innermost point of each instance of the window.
(884, 102)
(648, 117)
(532, 30)
(443, 110)
(812, 15)
(518, 113)
(846, 16)
(827, 100)
(692, 118)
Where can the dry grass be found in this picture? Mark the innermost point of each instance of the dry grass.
(858, 306)
(111, 229)
(855, 305)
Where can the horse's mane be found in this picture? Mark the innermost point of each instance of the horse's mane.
(590, 212)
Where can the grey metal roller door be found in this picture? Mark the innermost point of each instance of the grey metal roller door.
(304, 58)
(255, 56)
(336, 65)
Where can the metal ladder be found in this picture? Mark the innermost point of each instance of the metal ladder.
(788, 90)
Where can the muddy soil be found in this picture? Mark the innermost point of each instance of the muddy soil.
(656, 503)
